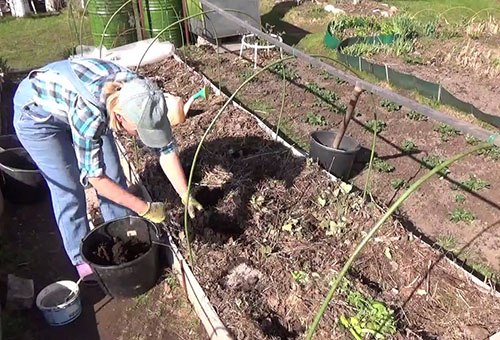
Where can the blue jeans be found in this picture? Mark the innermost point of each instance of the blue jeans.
(49, 142)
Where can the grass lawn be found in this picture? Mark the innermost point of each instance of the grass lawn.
(37, 40)
(452, 10)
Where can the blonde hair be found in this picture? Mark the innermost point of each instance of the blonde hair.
(112, 91)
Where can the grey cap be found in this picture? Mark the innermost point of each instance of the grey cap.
(143, 103)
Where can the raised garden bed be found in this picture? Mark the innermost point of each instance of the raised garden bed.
(406, 145)
(276, 230)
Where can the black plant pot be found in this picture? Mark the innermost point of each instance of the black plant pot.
(336, 161)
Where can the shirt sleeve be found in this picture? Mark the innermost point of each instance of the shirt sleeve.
(171, 147)
(88, 125)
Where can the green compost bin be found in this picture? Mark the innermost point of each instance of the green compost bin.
(159, 14)
(121, 29)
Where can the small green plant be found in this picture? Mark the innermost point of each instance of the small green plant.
(430, 162)
(372, 317)
(399, 183)
(408, 146)
(472, 184)
(142, 300)
(447, 132)
(459, 198)
(4, 66)
(382, 166)
(491, 153)
(414, 59)
(376, 126)
(291, 73)
(171, 281)
(363, 49)
(325, 95)
(472, 140)
(390, 106)
(462, 215)
(314, 119)
(247, 73)
(414, 115)
(447, 241)
(301, 277)
(486, 271)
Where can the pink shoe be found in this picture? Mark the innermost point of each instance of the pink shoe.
(84, 270)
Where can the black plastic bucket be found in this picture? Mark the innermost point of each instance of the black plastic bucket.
(336, 161)
(22, 181)
(9, 142)
(131, 278)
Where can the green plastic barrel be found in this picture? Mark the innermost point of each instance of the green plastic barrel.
(159, 14)
(121, 29)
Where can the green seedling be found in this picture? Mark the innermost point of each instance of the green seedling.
(472, 184)
(448, 242)
(382, 166)
(171, 281)
(430, 162)
(408, 146)
(376, 126)
(314, 119)
(414, 59)
(491, 153)
(447, 132)
(325, 95)
(486, 271)
(462, 215)
(363, 49)
(414, 115)
(472, 140)
(372, 317)
(301, 277)
(390, 106)
(399, 183)
(459, 198)
(247, 73)
(290, 72)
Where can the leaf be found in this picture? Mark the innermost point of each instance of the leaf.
(322, 201)
(387, 253)
(290, 226)
(421, 292)
(345, 187)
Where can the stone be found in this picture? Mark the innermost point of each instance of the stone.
(20, 293)
(475, 332)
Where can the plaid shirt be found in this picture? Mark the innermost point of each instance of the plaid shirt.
(88, 123)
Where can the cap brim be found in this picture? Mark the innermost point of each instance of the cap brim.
(158, 138)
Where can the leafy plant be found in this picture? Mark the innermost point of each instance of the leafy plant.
(382, 166)
(372, 317)
(430, 162)
(472, 140)
(472, 184)
(414, 59)
(447, 132)
(4, 66)
(290, 71)
(314, 119)
(398, 183)
(376, 126)
(493, 153)
(325, 95)
(300, 277)
(414, 115)
(363, 49)
(448, 242)
(408, 146)
(459, 215)
(390, 106)
(247, 74)
(459, 198)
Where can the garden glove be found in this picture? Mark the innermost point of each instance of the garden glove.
(193, 205)
(155, 213)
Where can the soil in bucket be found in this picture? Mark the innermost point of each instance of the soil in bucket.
(118, 251)
(123, 255)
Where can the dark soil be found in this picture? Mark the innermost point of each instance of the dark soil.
(269, 222)
(117, 251)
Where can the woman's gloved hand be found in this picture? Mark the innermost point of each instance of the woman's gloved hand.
(193, 205)
(155, 213)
